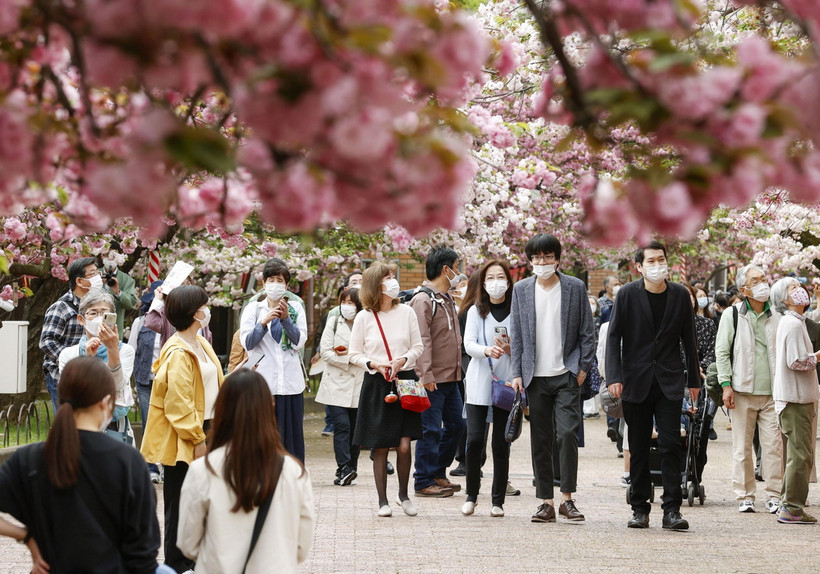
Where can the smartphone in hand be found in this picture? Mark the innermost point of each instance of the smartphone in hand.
(501, 333)
(110, 319)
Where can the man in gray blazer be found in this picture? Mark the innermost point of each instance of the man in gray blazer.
(552, 347)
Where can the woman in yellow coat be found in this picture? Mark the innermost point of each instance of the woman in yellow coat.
(187, 382)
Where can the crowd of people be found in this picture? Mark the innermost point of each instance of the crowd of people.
(436, 364)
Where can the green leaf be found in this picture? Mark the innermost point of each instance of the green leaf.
(665, 62)
(201, 149)
(4, 265)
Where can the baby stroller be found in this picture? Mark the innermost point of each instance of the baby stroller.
(694, 444)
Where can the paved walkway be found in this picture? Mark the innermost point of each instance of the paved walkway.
(351, 538)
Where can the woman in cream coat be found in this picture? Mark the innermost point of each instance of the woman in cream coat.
(341, 385)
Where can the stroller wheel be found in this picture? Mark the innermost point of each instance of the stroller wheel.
(701, 494)
(691, 494)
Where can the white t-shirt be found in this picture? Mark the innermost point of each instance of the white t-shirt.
(549, 349)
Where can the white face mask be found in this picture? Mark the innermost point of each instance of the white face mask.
(390, 287)
(543, 271)
(460, 292)
(496, 288)
(108, 420)
(615, 290)
(656, 273)
(454, 281)
(703, 302)
(206, 319)
(348, 310)
(109, 265)
(593, 308)
(760, 292)
(96, 282)
(93, 326)
(275, 291)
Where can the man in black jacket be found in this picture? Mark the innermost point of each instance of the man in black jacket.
(650, 319)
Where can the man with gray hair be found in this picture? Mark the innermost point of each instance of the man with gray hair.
(611, 286)
(745, 357)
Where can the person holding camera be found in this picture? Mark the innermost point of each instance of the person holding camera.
(119, 284)
(278, 330)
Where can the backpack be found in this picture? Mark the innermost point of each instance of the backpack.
(713, 388)
(406, 296)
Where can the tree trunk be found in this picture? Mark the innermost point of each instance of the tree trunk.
(33, 310)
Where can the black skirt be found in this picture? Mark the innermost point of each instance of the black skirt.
(380, 424)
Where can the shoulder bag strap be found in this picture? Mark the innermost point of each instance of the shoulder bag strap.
(484, 335)
(262, 514)
(386, 346)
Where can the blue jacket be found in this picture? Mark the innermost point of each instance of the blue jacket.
(144, 357)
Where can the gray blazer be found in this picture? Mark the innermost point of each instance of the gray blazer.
(577, 335)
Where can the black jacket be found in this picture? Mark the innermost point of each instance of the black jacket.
(646, 355)
(106, 522)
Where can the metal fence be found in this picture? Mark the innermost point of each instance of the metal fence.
(28, 421)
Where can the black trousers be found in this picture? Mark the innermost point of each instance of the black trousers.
(344, 424)
(639, 417)
(476, 446)
(171, 488)
(555, 414)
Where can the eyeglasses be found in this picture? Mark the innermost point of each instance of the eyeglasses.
(94, 314)
(92, 274)
(542, 259)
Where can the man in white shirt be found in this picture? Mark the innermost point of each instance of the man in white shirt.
(552, 349)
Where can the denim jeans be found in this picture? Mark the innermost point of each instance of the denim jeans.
(144, 398)
(51, 385)
(344, 424)
(437, 447)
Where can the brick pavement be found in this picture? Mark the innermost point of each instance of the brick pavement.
(350, 537)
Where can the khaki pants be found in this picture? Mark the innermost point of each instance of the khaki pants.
(795, 420)
(751, 410)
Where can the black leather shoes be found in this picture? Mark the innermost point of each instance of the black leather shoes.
(674, 521)
(638, 520)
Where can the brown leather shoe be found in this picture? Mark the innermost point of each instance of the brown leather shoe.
(435, 491)
(545, 513)
(445, 483)
(570, 512)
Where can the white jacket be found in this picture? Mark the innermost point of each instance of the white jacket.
(218, 539)
(341, 380)
(478, 380)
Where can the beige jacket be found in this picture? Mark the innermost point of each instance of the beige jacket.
(341, 382)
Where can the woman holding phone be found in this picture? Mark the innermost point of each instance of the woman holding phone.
(100, 339)
(486, 340)
(278, 330)
(385, 341)
(341, 385)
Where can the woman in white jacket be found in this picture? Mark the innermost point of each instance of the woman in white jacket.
(246, 465)
(488, 321)
(341, 385)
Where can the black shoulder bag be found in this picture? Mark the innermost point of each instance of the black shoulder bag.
(262, 514)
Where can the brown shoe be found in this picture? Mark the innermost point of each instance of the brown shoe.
(445, 483)
(545, 513)
(435, 491)
(569, 512)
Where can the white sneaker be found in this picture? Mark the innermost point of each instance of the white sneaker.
(747, 505)
(772, 505)
(468, 508)
(385, 511)
(497, 512)
(408, 507)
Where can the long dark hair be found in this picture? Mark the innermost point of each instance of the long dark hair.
(483, 298)
(84, 382)
(473, 286)
(245, 423)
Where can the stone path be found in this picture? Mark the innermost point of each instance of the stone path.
(349, 537)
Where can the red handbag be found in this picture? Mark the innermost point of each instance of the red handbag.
(412, 394)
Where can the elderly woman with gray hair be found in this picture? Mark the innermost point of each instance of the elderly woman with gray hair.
(103, 341)
(795, 395)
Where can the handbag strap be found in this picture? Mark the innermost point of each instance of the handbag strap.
(386, 346)
(484, 335)
(262, 513)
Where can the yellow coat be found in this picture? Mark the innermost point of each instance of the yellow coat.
(177, 407)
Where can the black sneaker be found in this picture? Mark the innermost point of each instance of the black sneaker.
(712, 434)
(460, 470)
(390, 469)
(347, 476)
(612, 433)
(674, 521)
